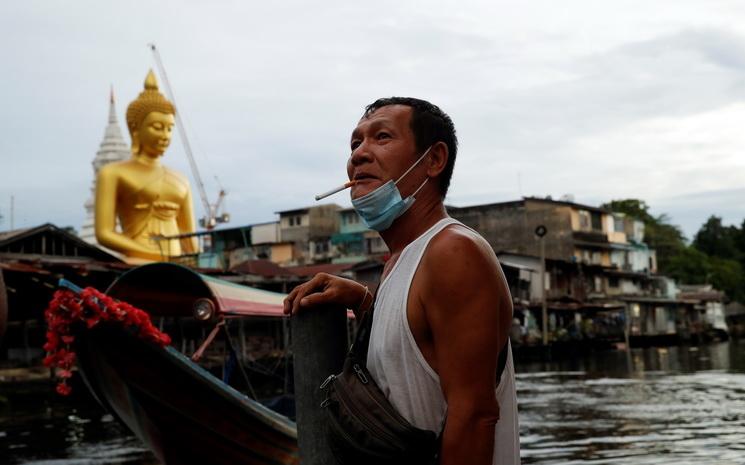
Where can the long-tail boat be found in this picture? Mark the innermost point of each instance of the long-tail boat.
(183, 413)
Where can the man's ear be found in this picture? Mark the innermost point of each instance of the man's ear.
(437, 159)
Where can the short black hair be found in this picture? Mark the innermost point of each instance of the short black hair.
(430, 125)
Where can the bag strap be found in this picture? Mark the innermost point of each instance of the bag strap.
(358, 349)
(502, 360)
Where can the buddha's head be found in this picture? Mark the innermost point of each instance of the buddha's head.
(150, 120)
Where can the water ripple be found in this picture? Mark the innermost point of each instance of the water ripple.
(669, 408)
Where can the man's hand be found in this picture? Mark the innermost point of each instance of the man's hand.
(326, 289)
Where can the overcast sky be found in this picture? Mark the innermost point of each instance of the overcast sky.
(600, 100)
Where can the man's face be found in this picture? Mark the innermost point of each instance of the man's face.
(155, 133)
(383, 148)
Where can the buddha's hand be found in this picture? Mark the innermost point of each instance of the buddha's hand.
(324, 290)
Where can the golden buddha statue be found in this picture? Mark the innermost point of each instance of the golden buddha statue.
(149, 200)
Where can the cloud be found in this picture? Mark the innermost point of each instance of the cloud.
(691, 210)
(647, 120)
(628, 99)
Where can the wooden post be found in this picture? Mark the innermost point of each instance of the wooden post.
(285, 352)
(319, 344)
(626, 330)
(540, 232)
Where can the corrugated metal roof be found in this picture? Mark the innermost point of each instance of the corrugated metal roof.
(521, 262)
(265, 268)
(4, 235)
(513, 203)
(9, 238)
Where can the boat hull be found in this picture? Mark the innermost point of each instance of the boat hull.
(179, 410)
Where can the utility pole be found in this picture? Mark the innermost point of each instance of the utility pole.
(541, 231)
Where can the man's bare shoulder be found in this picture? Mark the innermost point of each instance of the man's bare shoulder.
(459, 244)
(459, 258)
(460, 271)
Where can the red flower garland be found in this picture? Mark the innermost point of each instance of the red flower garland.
(91, 307)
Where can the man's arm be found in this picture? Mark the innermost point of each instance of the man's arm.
(468, 310)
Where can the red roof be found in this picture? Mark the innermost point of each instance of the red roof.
(265, 268)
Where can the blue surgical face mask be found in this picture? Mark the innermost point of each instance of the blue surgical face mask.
(380, 208)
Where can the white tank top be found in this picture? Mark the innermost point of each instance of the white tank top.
(398, 366)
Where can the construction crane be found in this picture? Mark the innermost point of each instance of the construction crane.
(213, 215)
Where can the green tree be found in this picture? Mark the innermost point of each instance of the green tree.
(739, 240)
(718, 240)
(689, 266)
(631, 207)
(728, 275)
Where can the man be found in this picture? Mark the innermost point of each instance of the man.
(443, 310)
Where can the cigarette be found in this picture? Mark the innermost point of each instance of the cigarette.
(333, 191)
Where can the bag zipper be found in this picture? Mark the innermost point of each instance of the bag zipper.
(327, 381)
(360, 373)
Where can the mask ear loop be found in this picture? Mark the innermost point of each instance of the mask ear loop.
(413, 166)
(419, 188)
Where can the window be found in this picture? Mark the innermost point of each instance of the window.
(322, 247)
(613, 281)
(374, 245)
(597, 221)
(584, 220)
(351, 218)
(618, 225)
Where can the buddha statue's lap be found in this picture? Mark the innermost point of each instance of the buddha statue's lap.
(148, 200)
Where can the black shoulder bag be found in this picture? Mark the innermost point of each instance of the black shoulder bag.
(363, 427)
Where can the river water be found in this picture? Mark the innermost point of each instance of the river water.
(677, 405)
